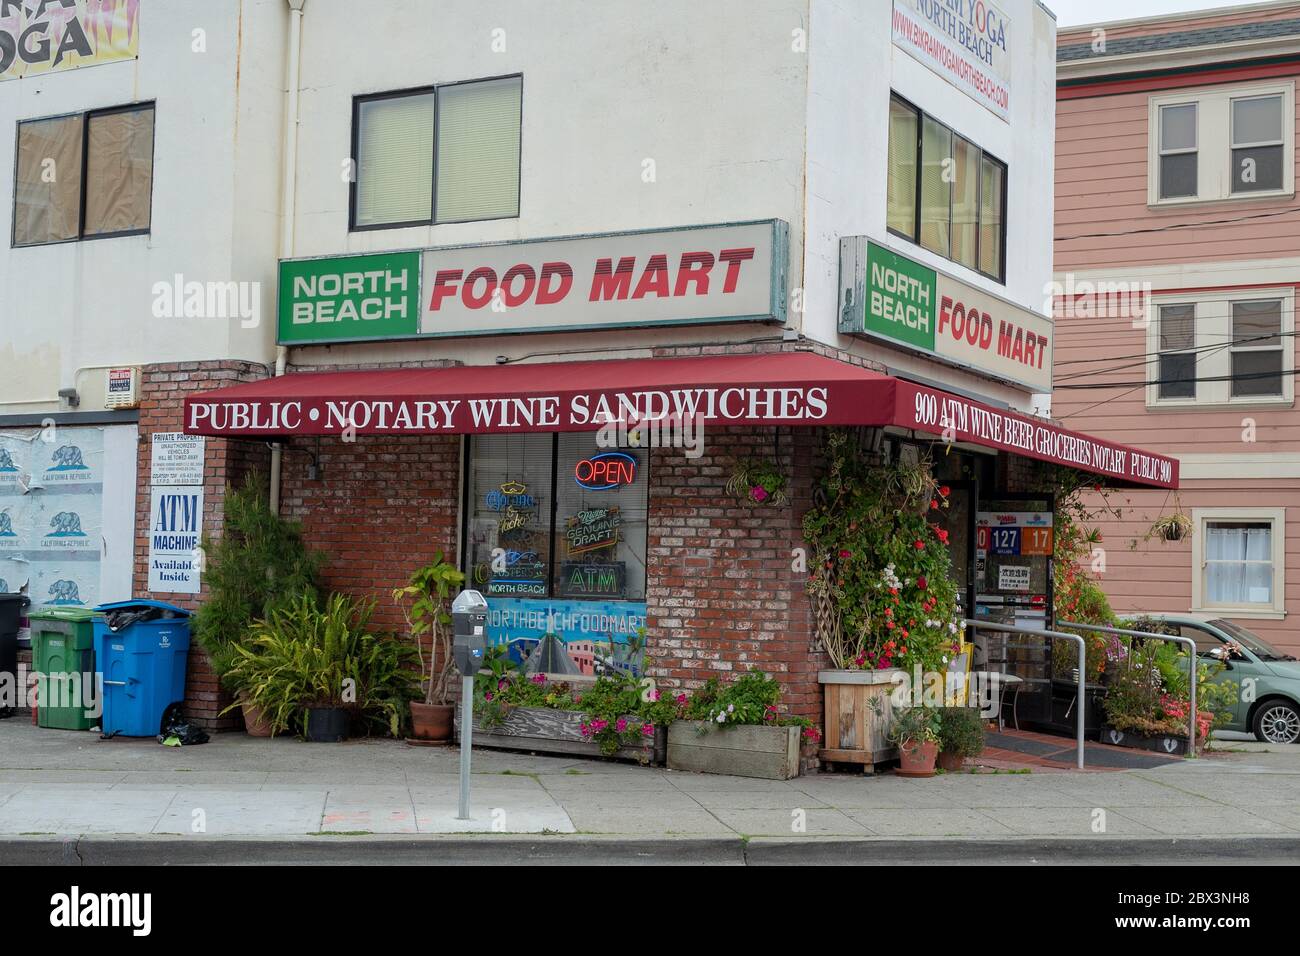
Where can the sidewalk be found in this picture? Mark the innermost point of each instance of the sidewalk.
(56, 784)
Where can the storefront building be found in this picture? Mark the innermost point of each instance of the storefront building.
(505, 238)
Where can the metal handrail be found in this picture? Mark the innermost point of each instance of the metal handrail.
(1191, 667)
(1060, 636)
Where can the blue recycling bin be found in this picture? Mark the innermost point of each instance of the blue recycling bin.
(141, 649)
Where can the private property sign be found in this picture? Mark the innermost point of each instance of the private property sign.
(696, 275)
(964, 41)
(888, 296)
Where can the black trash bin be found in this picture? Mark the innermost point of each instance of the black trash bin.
(11, 611)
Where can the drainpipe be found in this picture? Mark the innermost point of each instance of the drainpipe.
(288, 209)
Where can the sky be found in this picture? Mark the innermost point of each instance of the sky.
(1073, 12)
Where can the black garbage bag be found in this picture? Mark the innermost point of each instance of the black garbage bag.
(181, 733)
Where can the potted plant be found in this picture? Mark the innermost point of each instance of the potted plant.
(758, 482)
(916, 731)
(426, 602)
(259, 564)
(614, 716)
(1172, 527)
(313, 667)
(961, 735)
(738, 729)
(882, 591)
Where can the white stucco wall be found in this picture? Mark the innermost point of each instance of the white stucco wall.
(854, 65)
(740, 119)
(713, 94)
(215, 207)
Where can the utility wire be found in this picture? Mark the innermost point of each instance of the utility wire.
(1178, 225)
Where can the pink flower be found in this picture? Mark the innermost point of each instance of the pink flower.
(647, 729)
(586, 730)
(488, 695)
(621, 725)
(846, 554)
(681, 700)
(538, 678)
(758, 493)
(655, 696)
(502, 684)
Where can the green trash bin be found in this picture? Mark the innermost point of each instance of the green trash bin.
(63, 655)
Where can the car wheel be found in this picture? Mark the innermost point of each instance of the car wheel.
(1277, 722)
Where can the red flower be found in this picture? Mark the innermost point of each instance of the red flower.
(889, 624)
(945, 491)
(921, 583)
(846, 554)
(919, 544)
(934, 503)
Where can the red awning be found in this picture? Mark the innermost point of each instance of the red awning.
(786, 388)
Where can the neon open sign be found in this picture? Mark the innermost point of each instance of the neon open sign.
(609, 469)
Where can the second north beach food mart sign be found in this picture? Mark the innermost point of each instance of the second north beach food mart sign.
(702, 274)
(887, 296)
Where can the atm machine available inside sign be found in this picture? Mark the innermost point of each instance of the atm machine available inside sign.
(887, 295)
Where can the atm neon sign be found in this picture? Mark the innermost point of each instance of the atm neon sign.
(609, 469)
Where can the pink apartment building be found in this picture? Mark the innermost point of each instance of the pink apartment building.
(1177, 259)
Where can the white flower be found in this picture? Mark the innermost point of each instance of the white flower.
(722, 718)
(731, 708)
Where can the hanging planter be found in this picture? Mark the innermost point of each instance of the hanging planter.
(1171, 527)
(758, 482)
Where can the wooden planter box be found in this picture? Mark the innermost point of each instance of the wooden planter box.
(701, 746)
(1174, 746)
(858, 715)
(547, 731)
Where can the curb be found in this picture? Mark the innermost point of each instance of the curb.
(401, 850)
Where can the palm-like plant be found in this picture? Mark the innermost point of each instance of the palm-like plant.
(428, 612)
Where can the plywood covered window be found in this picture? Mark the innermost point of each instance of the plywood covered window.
(84, 176)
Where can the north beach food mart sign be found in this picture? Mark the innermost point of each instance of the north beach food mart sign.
(695, 275)
(888, 296)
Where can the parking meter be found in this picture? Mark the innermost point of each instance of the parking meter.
(469, 631)
(469, 641)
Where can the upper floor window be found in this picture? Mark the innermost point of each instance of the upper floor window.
(84, 176)
(1222, 143)
(1226, 349)
(944, 193)
(442, 154)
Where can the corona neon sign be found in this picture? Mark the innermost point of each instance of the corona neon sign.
(609, 469)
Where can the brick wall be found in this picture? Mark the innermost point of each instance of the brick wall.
(379, 508)
(722, 592)
(162, 393)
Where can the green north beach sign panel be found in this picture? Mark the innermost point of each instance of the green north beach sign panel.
(899, 300)
(349, 298)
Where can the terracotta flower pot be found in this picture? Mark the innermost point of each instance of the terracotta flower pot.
(255, 722)
(951, 762)
(431, 723)
(917, 759)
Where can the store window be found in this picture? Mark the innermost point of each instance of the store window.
(557, 516)
(556, 540)
(440, 154)
(1222, 349)
(1233, 142)
(1239, 560)
(84, 176)
(944, 192)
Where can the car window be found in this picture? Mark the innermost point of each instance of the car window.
(1205, 641)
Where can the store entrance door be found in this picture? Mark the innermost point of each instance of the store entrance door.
(958, 519)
